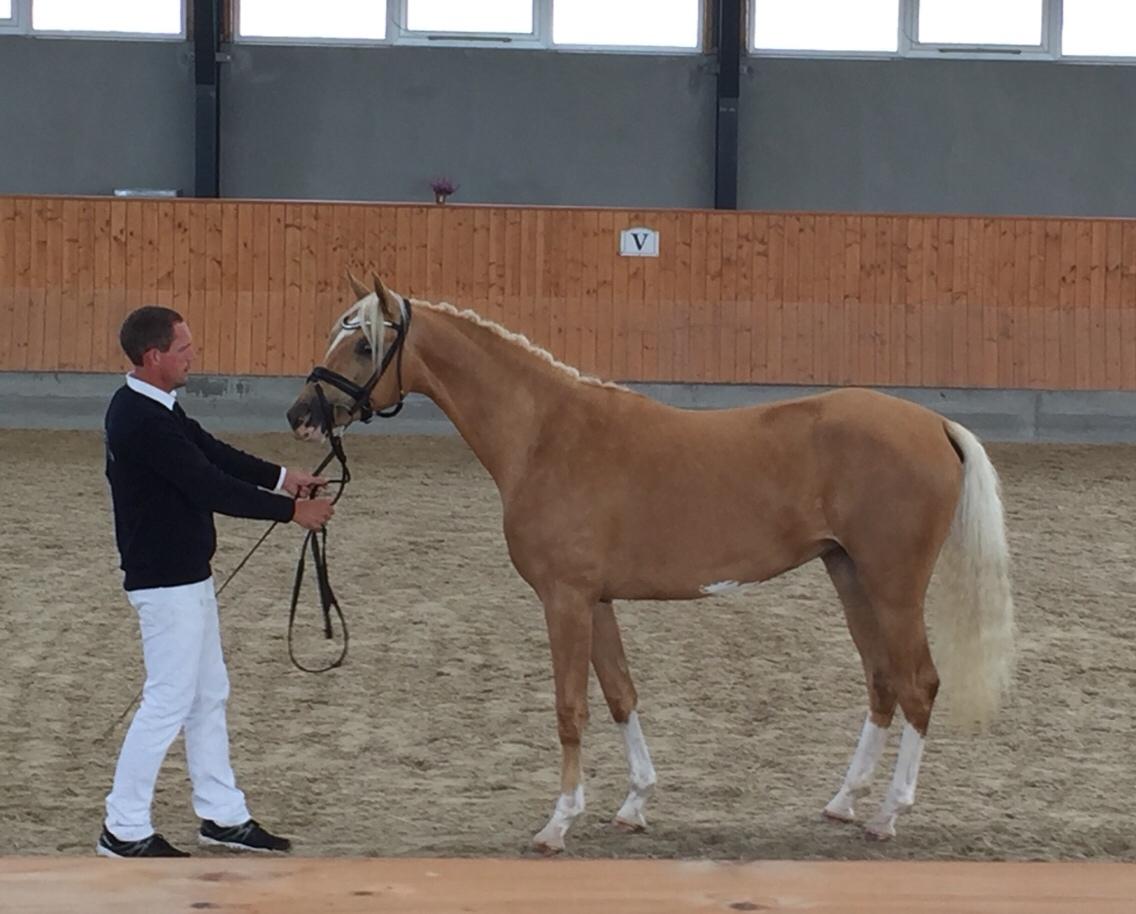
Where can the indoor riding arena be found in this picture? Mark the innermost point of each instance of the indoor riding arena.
(589, 263)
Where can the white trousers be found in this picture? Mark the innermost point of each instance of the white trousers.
(186, 688)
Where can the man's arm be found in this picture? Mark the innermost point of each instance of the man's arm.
(166, 450)
(250, 468)
(235, 462)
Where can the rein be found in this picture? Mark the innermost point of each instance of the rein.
(316, 541)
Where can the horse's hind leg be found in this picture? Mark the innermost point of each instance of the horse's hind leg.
(916, 684)
(897, 589)
(614, 675)
(569, 617)
(881, 697)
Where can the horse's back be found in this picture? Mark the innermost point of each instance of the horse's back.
(852, 417)
(794, 438)
(860, 408)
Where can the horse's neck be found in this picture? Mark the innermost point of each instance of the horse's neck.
(498, 394)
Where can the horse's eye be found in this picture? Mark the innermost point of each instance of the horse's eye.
(363, 348)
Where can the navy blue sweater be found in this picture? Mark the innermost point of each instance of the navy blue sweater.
(167, 477)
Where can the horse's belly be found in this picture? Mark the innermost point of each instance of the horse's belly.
(695, 575)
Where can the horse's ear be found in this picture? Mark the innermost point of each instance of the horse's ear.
(360, 290)
(386, 300)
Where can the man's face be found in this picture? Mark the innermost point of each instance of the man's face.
(174, 364)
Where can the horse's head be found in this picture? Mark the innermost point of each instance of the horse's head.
(362, 371)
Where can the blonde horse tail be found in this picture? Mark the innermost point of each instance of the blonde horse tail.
(975, 617)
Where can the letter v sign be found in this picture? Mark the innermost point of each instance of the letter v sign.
(639, 241)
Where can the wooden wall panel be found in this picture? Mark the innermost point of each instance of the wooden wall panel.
(8, 307)
(878, 299)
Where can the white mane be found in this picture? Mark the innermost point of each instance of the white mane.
(365, 315)
(520, 340)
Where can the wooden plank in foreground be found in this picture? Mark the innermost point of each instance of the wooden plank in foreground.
(228, 885)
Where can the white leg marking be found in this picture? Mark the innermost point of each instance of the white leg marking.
(641, 775)
(873, 738)
(901, 794)
(719, 587)
(568, 807)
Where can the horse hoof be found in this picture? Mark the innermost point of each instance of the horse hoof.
(844, 818)
(628, 828)
(877, 832)
(548, 842)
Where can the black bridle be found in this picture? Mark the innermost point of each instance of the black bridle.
(361, 394)
(316, 541)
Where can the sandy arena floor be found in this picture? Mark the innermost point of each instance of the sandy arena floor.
(438, 737)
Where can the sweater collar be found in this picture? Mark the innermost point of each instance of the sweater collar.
(149, 390)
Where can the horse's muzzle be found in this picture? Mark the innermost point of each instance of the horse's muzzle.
(298, 414)
(304, 425)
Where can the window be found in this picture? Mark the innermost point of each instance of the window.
(1036, 29)
(152, 17)
(343, 19)
(647, 24)
(5, 9)
(626, 23)
(825, 25)
(1105, 28)
(501, 17)
(1014, 23)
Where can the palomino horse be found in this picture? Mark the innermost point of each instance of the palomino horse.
(609, 495)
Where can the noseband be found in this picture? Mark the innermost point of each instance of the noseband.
(361, 394)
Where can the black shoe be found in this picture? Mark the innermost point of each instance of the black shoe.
(247, 837)
(154, 846)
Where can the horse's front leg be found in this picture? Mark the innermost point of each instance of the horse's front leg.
(569, 617)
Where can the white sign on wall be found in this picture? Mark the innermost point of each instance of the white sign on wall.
(639, 242)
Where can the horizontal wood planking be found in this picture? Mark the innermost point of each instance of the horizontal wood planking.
(781, 298)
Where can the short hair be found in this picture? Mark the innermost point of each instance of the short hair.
(148, 327)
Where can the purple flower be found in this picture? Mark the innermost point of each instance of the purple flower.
(443, 186)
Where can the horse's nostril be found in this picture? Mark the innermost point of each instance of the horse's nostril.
(296, 416)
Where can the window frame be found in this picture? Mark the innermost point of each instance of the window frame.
(406, 36)
(14, 25)
(21, 24)
(1049, 47)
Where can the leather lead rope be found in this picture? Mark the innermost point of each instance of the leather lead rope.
(316, 542)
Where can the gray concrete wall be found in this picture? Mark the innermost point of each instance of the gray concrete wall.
(535, 127)
(1001, 137)
(85, 117)
(78, 401)
(508, 126)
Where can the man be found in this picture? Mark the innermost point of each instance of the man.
(168, 476)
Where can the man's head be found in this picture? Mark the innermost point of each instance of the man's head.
(159, 345)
